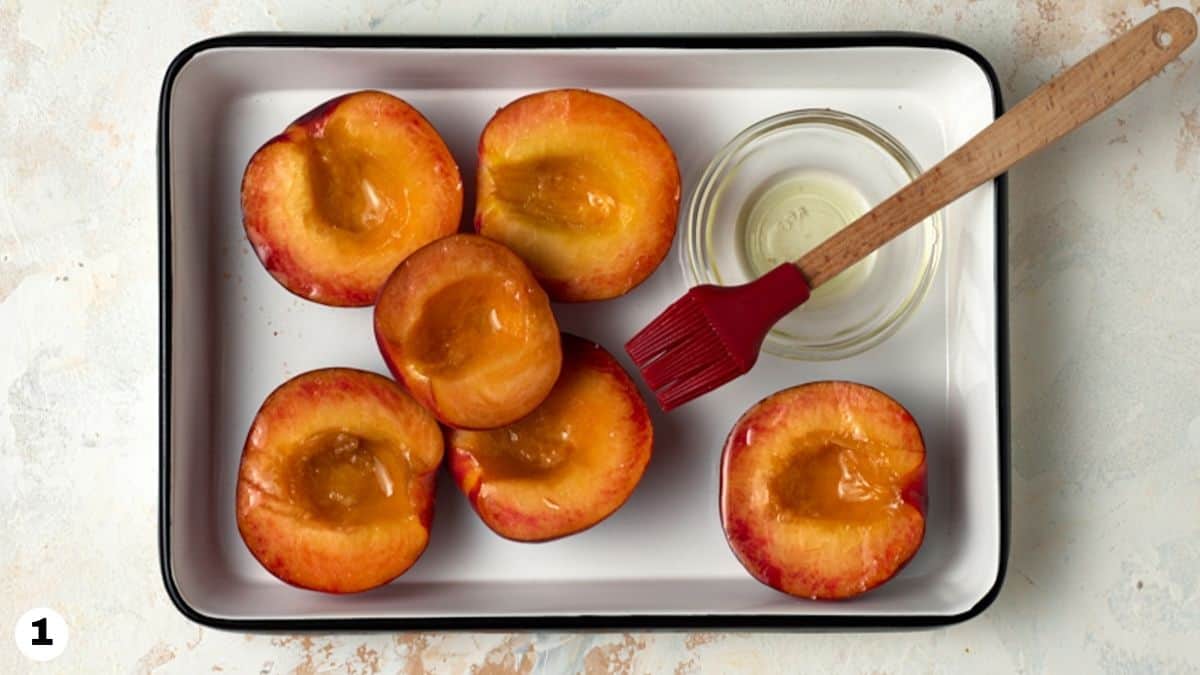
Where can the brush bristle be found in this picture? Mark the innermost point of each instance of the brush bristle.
(684, 358)
(714, 374)
(684, 317)
(681, 354)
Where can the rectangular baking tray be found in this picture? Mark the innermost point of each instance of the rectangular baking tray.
(230, 334)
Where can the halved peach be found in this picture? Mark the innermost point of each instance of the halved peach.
(345, 193)
(823, 489)
(335, 490)
(583, 187)
(568, 465)
(465, 326)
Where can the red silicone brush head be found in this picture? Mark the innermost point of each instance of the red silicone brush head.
(712, 334)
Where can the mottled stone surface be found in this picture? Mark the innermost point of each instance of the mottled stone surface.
(1105, 247)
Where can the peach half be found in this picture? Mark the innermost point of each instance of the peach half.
(823, 489)
(335, 490)
(345, 193)
(568, 465)
(465, 326)
(583, 187)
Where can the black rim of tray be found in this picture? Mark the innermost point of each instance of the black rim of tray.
(588, 621)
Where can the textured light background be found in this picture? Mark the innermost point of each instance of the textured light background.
(1105, 289)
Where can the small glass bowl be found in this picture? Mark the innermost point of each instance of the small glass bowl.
(849, 150)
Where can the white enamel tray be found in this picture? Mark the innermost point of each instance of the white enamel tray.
(230, 333)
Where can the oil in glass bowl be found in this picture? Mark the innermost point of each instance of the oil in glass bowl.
(784, 185)
(789, 217)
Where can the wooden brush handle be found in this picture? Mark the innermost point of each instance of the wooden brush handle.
(1056, 108)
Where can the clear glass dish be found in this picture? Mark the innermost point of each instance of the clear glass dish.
(765, 182)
